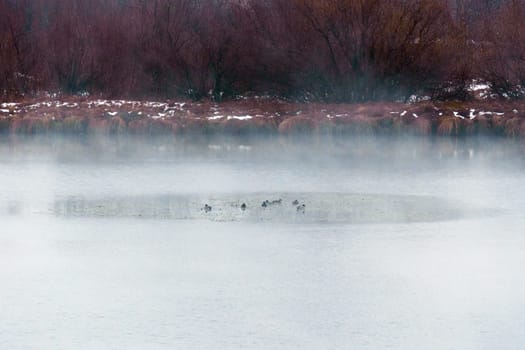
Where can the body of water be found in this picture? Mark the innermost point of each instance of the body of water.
(402, 244)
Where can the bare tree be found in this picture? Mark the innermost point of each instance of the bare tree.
(18, 48)
(339, 50)
(503, 62)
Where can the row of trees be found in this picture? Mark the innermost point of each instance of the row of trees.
(337, 50)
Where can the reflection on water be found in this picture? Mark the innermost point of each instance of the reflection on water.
(403, 244)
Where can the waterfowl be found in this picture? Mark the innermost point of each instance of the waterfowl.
(243, 206)
(301, 208)
(207, 208)
(295, 202)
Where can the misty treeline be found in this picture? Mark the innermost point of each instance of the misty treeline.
(332, 50)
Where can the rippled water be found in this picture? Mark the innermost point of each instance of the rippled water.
(403, 244)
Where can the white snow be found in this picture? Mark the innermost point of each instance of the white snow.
(34, 106)
(472, 115)
(415, 115)
(155, 104)
(9, 104)
(4, 110)
(457, 115)
(112, 113)
(478, 85)
(99, 103)
(159, 116)
(240, 117)
(417, 98)
(403, 113)
(230, 117)
(482, 113)
(175, 106)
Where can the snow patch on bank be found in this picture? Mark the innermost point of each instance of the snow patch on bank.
(9, 104)
(457, 115)
(240, 117)
(230, 117)
(478, 85)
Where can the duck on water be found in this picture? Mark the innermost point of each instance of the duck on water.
(267, 203)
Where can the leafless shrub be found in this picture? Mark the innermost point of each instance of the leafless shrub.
(504, 57)
(337, 51)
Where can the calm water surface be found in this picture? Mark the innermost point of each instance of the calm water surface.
(82, 268)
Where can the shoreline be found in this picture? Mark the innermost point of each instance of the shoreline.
(259, 116)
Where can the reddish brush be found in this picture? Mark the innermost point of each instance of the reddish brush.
(513, 127)
(98, 125)
(422, 126)
(449, 126)
(481, 125)
(298, 125)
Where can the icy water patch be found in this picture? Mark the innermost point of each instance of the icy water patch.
(271, 207)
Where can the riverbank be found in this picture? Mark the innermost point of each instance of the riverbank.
(259, 116)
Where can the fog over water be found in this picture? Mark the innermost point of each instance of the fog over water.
(403, 243)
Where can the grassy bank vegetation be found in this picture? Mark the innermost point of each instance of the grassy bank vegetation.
(260, 116)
